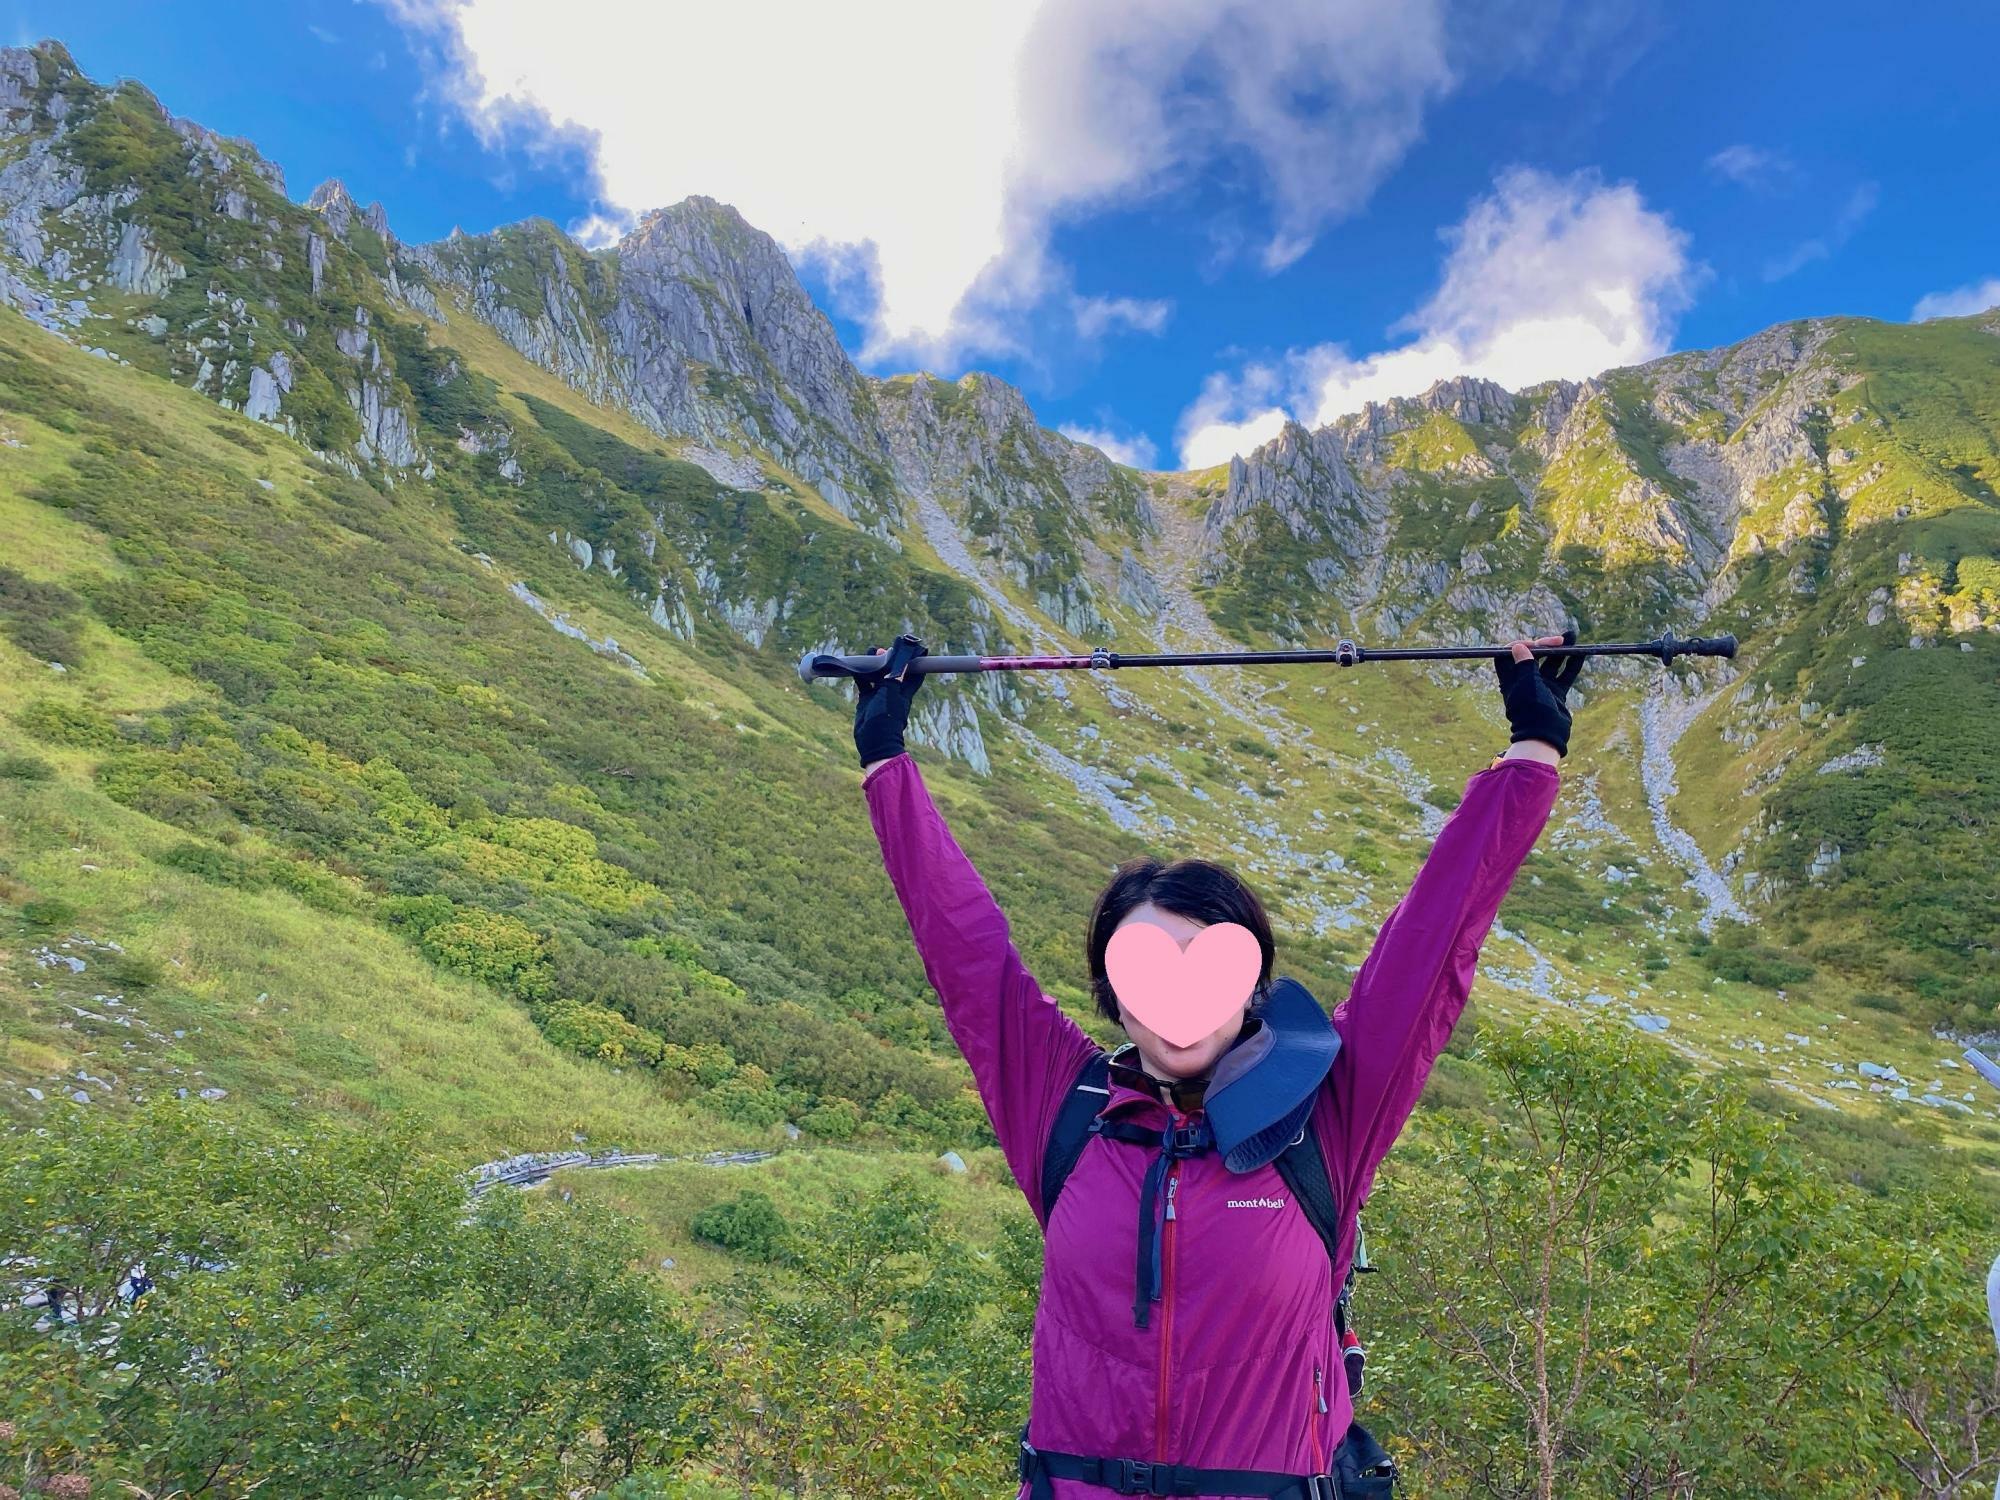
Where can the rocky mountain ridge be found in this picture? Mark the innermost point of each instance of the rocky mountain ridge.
(696, 326)
(1826, 488)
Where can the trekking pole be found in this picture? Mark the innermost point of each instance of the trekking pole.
(819, 664)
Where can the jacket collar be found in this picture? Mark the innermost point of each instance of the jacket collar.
(1126, 1096)
(1124, 1099)
(1186, 1096)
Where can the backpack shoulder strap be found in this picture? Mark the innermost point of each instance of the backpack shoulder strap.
(1303, 1167)
(1304, 1170)
(1071, 1132)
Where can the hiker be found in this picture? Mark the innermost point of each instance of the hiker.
(1185, 1341)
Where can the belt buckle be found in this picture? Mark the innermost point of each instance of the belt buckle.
(1135, 1476)
(1322, 1487)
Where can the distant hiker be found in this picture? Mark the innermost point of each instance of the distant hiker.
(1185, 1342)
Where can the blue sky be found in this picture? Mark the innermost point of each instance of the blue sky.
(1170, 234)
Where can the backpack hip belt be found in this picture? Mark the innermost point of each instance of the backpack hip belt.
(1127, 1476)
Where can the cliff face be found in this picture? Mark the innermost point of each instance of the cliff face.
(695, 325)
(1638, 494)
(112, 212)
(1404, 513)
(982, 472)
(123, 225)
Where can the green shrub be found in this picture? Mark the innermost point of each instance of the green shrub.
(318, 888)
(749, 1225)
(677, 950)
(48, 913)
(594, 1031)
(35, 617)
(834, 1118)
(418, 914)
(217, 866)
(514, 1346)
(131, 971)
(1734, 954)
(707, 1063)
(494, 947)
(24, 768)
(325, 419)
(1548, 894)
(1365, 857)
(60, 723)
(748, 1098)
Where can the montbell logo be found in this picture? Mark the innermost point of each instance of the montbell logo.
(1256, 1202)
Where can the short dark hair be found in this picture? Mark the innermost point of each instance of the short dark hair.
(1198, 889)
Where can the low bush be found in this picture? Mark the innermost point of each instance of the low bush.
(73, 724)
(48, 913)
(749, 1225)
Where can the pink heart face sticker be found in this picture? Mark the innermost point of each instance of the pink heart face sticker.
(1182, 995)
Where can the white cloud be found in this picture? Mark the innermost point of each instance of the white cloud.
(1097, 316)
(1547, 277)
(931, 150)
(1860, 204)
(1233, 415)
(1960, 302)
(1137, 451)
(1752, 167)
(595, 231)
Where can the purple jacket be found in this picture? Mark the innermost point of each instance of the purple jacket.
(1239, 1366)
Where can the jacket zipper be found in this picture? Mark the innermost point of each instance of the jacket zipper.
(1319, 1410)
(1166, 1314)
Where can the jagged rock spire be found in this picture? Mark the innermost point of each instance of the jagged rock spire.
(332, 202)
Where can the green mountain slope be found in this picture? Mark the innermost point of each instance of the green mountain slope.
(1825, 491)
(473, 618)
(398, 718)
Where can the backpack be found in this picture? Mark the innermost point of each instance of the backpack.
(1303, 1169)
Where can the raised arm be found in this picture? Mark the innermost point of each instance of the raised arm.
(1413, 985)
(1023, 1051)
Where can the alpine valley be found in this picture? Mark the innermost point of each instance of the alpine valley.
(399, 720)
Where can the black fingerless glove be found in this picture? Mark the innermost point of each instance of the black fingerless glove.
(882, 712)
(1533, 692)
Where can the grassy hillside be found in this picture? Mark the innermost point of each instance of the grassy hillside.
(297, 702)
(1827, 492)
(405, 805)
(304, 699)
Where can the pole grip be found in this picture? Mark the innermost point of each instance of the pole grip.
(1715, 645)
(817, 666)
